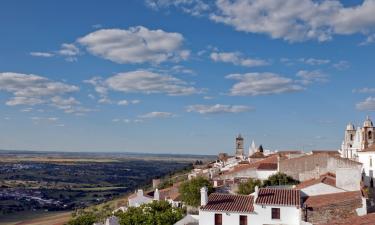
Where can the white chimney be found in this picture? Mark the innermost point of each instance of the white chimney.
(140, 192)
(204, 196)
(157, 195)
(256, 192)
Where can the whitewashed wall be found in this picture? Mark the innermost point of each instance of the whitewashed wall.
(320, 189)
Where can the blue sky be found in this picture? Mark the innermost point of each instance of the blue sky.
(184, 76)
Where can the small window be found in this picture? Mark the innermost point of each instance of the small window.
(243, 220)
(370, 161)
(351, 137)
(218, 219)
(370, 135)
(276, 213)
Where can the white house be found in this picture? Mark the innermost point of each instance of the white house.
(266, 206)
(367, 158)
(325, 184)
(139, 198)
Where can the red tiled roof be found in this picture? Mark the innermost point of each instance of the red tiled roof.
(328, 178)
(331, 199)
(368, 219)
(229, 203)
(257, 165)
(275, 196)
(325, 151)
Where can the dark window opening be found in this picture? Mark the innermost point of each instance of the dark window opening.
(275, 213)
(243, 220)
(369, 135)
(218, 219)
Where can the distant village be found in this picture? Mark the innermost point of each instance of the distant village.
(334, 187)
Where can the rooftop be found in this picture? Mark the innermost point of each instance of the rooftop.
(275, 196)
(229, 203)
(328, 178)
(332, 199)
(356, 220)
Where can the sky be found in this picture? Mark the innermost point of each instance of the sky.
(184, 76)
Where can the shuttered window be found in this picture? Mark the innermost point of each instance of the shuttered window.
(275, 213)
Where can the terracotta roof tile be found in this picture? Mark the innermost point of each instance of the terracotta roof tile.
(275, 196)
(331, 199)
(328, 178)
(257, 165)
(229, 203)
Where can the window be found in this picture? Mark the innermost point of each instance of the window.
(370, 161)
(351, 137)
(275, 213)
(243, 220)
(218, 219)
(370, 135)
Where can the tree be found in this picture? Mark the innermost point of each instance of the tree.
(190, 190)
(154, 213)
(248, 187)
(87, 218)
(279, 179)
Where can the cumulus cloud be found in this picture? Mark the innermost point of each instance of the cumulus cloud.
(30, 89)
(365, 90)
(145, 82)
(296, 20)
(42, 54)
(262, 84)
(314, 61)
(126, 102)
(308, 77)
(135, 45)
(218, 108)
(341, 65)
(236, 58)
(193, 7)
(152, 115)
(367, 105)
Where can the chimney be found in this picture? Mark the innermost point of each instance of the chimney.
(204, 196)
(157, 195)
(256, 192)
(278, 163)
(140, 192)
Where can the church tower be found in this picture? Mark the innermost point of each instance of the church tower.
(239, 147)
(349, 135)
(367, 133)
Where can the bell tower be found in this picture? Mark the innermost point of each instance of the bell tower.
(239, 146)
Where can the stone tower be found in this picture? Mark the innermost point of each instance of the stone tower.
(368, 133)
(239, 146)
(349, 135)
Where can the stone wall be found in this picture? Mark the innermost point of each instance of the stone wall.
(312, 166)
(333, 212)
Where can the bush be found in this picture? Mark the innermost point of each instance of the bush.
(248, 187)
(279, 179)
(190, 190)
(154, 213)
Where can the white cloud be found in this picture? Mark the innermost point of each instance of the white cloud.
(367, 105)
(342, 65)
(152, 115)
(68, 50)
(42, 54)
(262, 84)
(30, 89)
(308, 77)
(237, 59)
(218, 108)
(126, 102)
(314, 61)
(135, 45)
(142, 81)
(364, 90)
(296, 20)
(193, 7)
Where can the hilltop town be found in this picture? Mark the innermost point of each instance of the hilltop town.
(322, 186)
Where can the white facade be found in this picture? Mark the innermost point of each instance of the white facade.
(357, 139)
(320, 189)
(368, 160)
(289, 215)
(139, 199)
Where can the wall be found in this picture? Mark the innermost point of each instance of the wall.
(260, 216)
(288, 215)
(250, 173)
(369, 171)
(333, 212)
(348, 179)
(208, 218)
(320, 189)
(310, 166)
